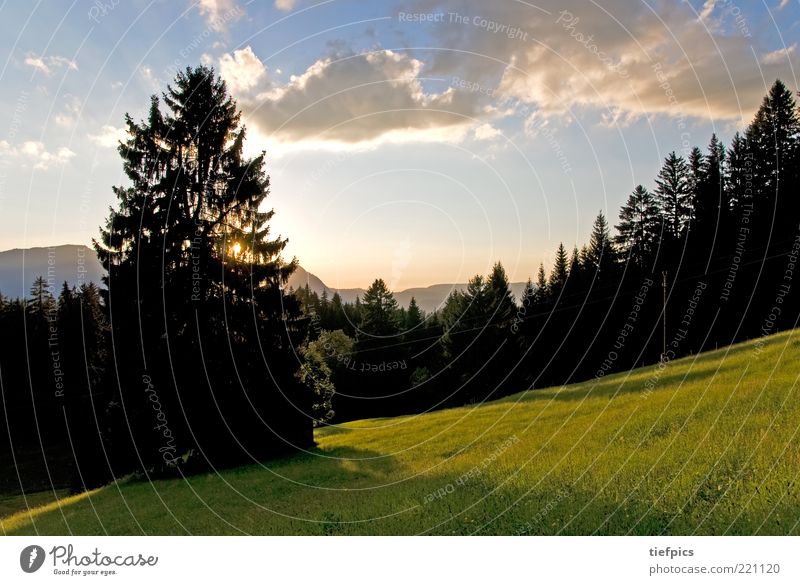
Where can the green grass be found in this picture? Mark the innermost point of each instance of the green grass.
(714, 448)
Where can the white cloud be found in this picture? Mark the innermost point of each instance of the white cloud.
(220, 13)
(779, 55)
(285, 5)
(108, 136)
(487, 132)
(351, 98)
(783, 4)
(149, 77)
(62, 62)
(72, 107)
(37, 63)
(625, 59)
(242, 71)
(72, 103)
(34, 153)
(708, 8)
(64, 120)
(47, 64)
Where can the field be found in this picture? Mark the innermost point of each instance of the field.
(705, 445)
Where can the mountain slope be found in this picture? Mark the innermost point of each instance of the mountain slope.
(72, 263)
(708, 445)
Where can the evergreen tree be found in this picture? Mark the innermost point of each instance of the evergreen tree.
(638, 228)
(195, 278)
(501, 301)
(559, 274)
(672, 194)
(528, 294)
(414, 315)
(738, 173)
(379, 316)
(710, 223)
(600, 257)
(772, 138)
(542, 288)
(41, 303)
(696, 167)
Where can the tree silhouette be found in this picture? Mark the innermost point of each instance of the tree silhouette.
(194, 287)
(379, 316)
(638, 228)
(559, 274)
(673, 195)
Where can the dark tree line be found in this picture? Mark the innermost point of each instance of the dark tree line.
(52, 369)
(716, 236)
(194, 356)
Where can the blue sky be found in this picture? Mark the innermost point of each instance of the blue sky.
(419, 141)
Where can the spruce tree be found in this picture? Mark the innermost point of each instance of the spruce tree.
(559, 274)
(542, 288)
(773, 139)
(600, 255)
(413, 316)
(638, 228)
(501, 301)
(379, 316)
(195, 287)
(673, 195)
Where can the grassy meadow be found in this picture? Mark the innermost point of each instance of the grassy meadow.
(705, 445)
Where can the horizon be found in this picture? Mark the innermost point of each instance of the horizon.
(305, 268)
(448, 160)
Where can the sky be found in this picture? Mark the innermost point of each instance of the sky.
(417, 141)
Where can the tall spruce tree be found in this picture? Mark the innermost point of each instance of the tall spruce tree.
(542, 287)
(379, 311)
(673, 195)
(501, 301)
(559, 274)
(738, 175)
(772, 139)
(711, 215)
(414, 315)
(195, 288)
(600, 259)
(638, 228)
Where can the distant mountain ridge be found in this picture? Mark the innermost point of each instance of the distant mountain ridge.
(429, 298)
(77, 264)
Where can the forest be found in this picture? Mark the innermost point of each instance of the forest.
(194, 355)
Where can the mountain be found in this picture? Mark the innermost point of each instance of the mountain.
(75, 264)
(301, 277)
(428, 298)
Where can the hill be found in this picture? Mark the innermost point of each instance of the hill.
(74, 264)
(705, 445)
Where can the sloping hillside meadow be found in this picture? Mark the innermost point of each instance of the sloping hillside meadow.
(705, 445)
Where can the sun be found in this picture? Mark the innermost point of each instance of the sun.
(237, 247)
